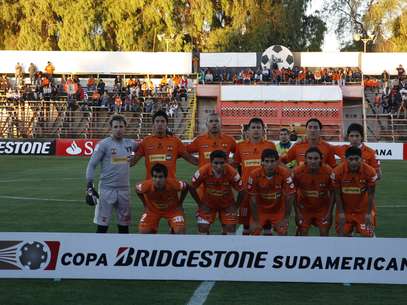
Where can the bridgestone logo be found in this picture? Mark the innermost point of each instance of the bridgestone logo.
(26, 148)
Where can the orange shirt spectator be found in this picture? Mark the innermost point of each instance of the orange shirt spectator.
(50, 68)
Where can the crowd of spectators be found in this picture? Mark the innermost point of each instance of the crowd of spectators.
(390, 95)
(296, 75)
(124, 94)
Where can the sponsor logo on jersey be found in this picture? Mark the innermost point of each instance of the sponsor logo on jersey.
(311, 194)
(351, 190)
(157, 158)
(119, 160)
(253, 162)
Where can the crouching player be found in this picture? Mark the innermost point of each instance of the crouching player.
(218, 180)
(162, 197)
(354, 183)
(272, 192)
(314, 202)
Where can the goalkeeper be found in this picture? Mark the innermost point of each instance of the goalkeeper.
(113, 154)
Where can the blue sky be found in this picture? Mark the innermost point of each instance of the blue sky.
(331, 43)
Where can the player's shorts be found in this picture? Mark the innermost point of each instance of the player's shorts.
(357, 221)
(311, 218)
(150, 220)
(110, 199)
(227, 216)
(270, 220)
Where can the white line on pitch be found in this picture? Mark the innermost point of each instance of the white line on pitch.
(201, 293)
(37, 180)
(38, 199)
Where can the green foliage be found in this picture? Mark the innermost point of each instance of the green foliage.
(181, 25)
(385, 19)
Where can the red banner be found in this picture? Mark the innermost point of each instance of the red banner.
(405, 151)
(75, 147)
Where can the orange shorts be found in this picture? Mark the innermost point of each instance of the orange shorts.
(270, 220)
(315, 218)
(151, 220)
(357, 221)
(227, 216)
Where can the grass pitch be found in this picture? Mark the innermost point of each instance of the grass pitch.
(46, 194)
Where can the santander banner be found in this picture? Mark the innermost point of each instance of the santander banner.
(75, 147)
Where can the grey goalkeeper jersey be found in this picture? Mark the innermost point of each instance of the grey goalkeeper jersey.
(113, 157)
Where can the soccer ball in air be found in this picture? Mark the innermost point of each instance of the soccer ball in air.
(279, 55)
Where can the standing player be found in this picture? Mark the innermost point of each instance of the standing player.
(162, 147)
(284, 144)
(113, 153)
(354, 183)
(218, 180)
(272, 194)
(315, 196)
(355, 136)
(211, 141)
(313, 139)
(162, 197)
(248, 157)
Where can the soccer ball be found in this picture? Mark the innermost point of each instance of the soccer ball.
(279, 55)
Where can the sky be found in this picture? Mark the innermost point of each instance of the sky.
(331, 44)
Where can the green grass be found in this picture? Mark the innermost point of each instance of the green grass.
(63, 178)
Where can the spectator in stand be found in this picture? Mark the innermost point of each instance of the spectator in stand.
(118, 103)
(184, 81)
(148, 104)
(129, 102)
(101, 86)
(403, 104)
(32, 69)
(91, 84)
(377, 102)
(96, 98)
(385, 79)
(49, 69)
(401, 73)
(208, 76)
(19, 71)
(318, 76)
(265, 75)
(349, 75)
(106, 100)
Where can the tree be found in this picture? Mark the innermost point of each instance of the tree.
(377, 17)
(181, 25)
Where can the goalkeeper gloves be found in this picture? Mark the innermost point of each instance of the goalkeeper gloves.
(92, 197)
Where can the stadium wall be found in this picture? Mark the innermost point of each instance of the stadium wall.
(85, 148)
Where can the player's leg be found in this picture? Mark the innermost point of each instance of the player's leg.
(123, 211)
(244, 215)
(103, 210)
(361, 227)
(280, 226)
(204, 220)
(176, 221)
(149, 222)
(229, 219)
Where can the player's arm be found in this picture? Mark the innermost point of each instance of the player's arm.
(298, 215)
(196, 182)
(183, 192)
(140, 194)
(370, 200)
(132, 158)
(139, 152)
(189, 158)
(341, 212)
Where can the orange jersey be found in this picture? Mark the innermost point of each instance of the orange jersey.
(205, 144)
(368, 154)
(248, 155)
(353, 186)
(313, 190)
(297, 152)
(161, 201)
(165, 150)
(270, 192)
(217, 191)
